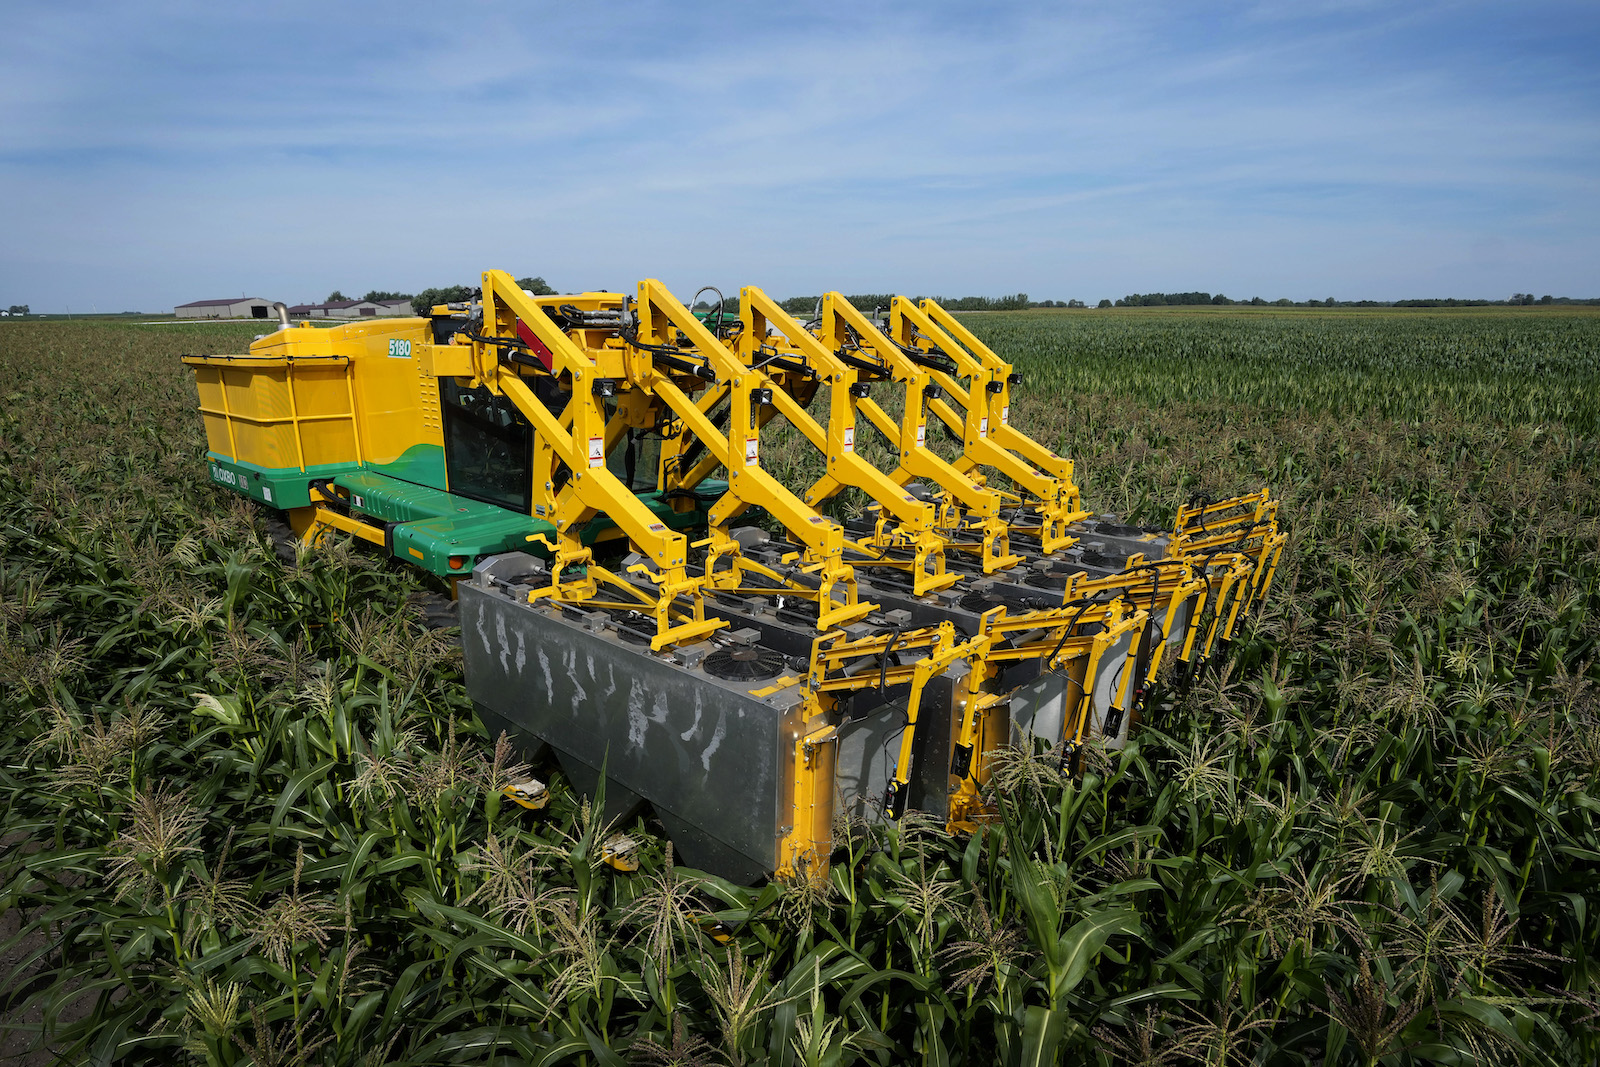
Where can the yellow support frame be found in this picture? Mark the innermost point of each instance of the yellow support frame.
(997, 396)
(1050, 636)
(577, 438)
(836, 441)
(986, 443)
(661, 319)
(842, 324)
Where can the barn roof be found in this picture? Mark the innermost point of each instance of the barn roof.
(218, 303)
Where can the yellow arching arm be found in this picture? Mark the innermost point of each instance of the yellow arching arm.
(841, 321)
(593, 487)
(836, 442)
(909, 321)
(998, 396)
(661, 317)
(845, 467)
(917, 460)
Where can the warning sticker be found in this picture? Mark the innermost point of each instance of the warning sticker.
(983, 427)
(922, 434)
(1005, 415)
(750, 445)
(597, 451)
(849, 438)
(656, 527)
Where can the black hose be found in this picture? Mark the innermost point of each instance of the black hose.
(1087, 603)
(883, 660)
(671, 355)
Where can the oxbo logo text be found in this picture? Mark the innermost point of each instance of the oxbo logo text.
(226, 477)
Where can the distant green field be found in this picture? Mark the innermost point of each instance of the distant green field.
(1515, 365)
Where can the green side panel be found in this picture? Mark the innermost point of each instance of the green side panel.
(432, 543)
(428, 526)
(431, 525)
(282, 488)
(473, 530)
(422, 464)
(393, 500)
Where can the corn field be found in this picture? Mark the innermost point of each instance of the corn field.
(250, 817)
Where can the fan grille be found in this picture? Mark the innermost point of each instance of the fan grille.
(978, 603)
(744, 664)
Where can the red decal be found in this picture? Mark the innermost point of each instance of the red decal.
(539, 349)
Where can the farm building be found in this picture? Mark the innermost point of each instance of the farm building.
(352, 309)
(243, 307)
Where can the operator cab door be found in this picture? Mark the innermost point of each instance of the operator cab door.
(488, 447)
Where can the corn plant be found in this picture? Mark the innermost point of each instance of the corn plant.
(250, 817)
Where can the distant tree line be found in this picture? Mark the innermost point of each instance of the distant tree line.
(1160, 299)
(17, 309)
(374, 295)
(1137, 300)
(424, 301)
(806, 305)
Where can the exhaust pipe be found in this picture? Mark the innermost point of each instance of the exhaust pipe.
(283, 314)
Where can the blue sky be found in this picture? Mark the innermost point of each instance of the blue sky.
(155, 153)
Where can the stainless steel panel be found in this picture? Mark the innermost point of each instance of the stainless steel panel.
(1113, 665)
(869, 748)
(703, 751)
(1038, 706)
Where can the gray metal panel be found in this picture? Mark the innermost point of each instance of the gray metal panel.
(925, 611)
(1180, 625)
(701, 750)
(869, 742)
(1113, 665)
(693, 847)
(869, 748)
(528, 748)
(1100, 528)
(620, 800)
(1038, 707)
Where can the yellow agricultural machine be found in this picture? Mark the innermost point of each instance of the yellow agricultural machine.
(640, 594)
